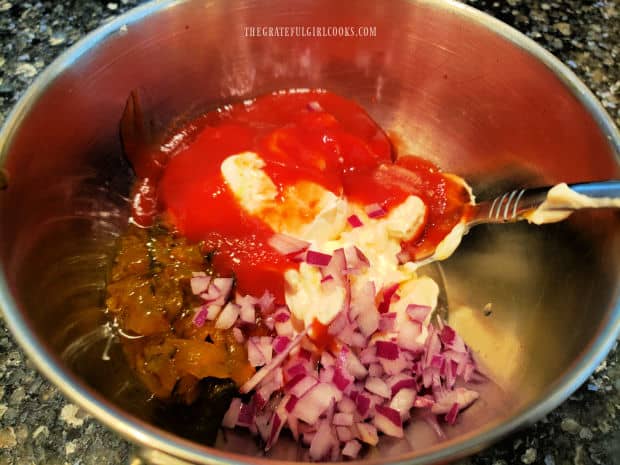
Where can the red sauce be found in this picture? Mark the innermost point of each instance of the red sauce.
(313, 136)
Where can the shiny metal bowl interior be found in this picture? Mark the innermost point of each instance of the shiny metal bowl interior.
(454, 85)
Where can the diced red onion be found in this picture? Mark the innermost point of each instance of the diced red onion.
(247, 313)
(354, 366)
(351, 449)
(367, 433)
(303, 386)
(447, 335)
(343, 419)
(362, 403)
(401, 381)
(461, 396)
(387, 350)
(296, 369)
(280, 343)
(246, 415)
(322, 442)
(287, 245)
(375, 370)
(224, 286)
(387, 322)
(346, 405)
(418, 312)
(327, 360)
(355, 260)
(354, 221)
(277, 422)
(238, 335)
(388, 421)
(403, 401)
(336, 267)
(282, 315)
(344, 433)
(341, 379)
(326, 375)
(227, 316)
(374, 210)
(199, 284)
(200, 316)
(451, 415)
(317, 258)
(275, 362)
(265, 303)
(314, 402)
(408, 333)
(378, 386)
(388, 294)
(231, 417)
(290, 404)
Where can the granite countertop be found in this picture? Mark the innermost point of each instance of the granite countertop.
(39, 426)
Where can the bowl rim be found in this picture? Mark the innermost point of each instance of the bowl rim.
(150, 437)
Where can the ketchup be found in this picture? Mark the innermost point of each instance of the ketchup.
(311, 136)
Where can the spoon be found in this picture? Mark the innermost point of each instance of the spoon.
(545, 204)
(538, 205)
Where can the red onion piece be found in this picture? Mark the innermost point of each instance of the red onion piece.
(290, 404)
(231, 417)
(362, 403)
(317, 258)
(387, 350)
(280, 343)
(367, 433)
(275, 362)
(374, 210)
(401, 381)
(355, 260)
(265, 303)
(200, 316)
(342, 419)
(351, 449)
(408, 333)
(341, 379)
(418, 312)
(403, 402)
(452, 413)
(199, 284)
(387, 322)
(378, 386)
(344, 433)
(388, 293)
(303, 386)
(346, 405)
(322, 442)
(282, 314)
(287, 245)
(388, 421)
(246, 415)
(354, 221)
(247, 313)
(225, 285)
(315, 401)
(227, 316)
(238, 335)
(461, 396)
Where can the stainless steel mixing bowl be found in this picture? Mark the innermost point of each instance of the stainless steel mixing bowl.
(458, 87)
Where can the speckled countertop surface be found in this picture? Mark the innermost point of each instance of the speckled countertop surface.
(39, 426)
